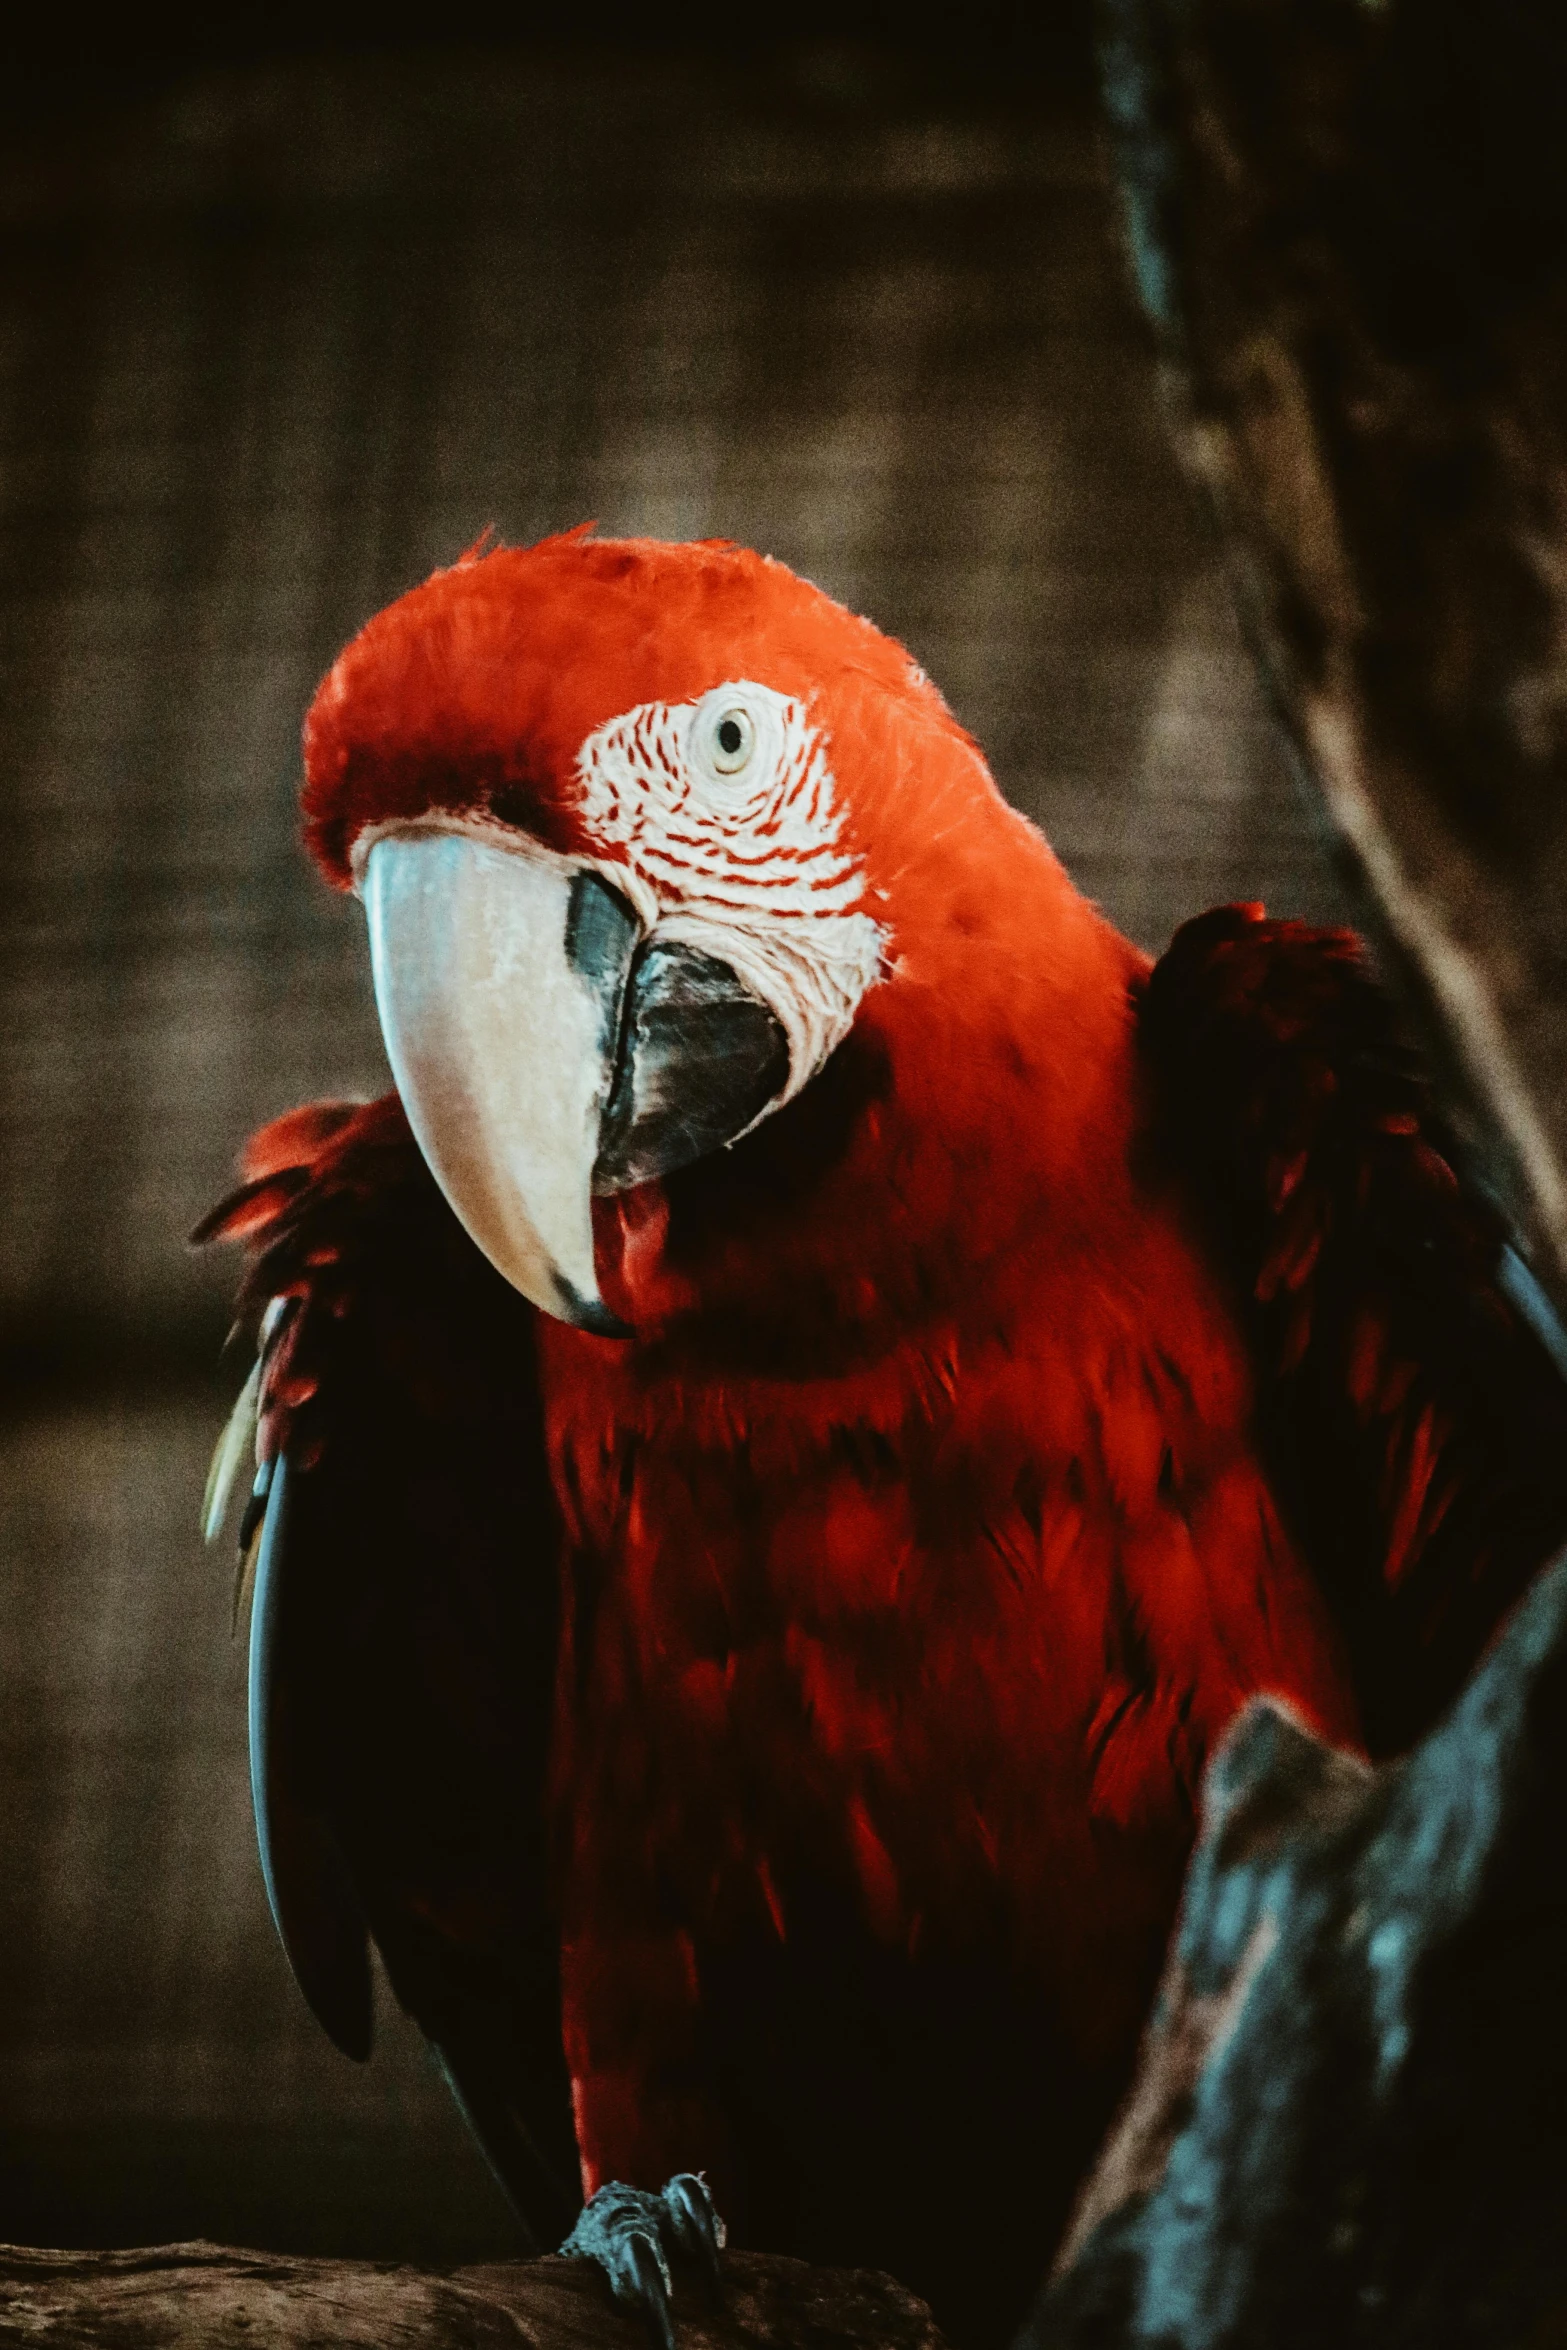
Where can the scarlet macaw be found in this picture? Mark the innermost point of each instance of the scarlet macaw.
(790, 1434)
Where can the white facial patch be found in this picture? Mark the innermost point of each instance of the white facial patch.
(724, 807)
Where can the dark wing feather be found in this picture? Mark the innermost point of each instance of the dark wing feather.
(1410, 1400)
(318, 1914)
(403, 1630)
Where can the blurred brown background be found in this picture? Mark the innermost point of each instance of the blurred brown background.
(283, 326)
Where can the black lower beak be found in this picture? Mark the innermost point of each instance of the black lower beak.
(698, 1060)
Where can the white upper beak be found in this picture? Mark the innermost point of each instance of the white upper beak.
(496, 1035)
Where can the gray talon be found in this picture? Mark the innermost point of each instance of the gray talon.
(697, 2228)
(631, 2233)
(642, 2247)
(644, 2283)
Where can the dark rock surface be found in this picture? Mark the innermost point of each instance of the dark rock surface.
(179, 2296)
(1350, 2124)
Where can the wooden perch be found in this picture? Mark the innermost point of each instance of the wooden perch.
(191, 2296)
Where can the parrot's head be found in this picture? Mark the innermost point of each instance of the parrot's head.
(643, 833)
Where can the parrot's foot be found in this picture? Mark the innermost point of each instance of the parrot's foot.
(633, 2235)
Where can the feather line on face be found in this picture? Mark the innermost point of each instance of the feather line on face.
(726, 808)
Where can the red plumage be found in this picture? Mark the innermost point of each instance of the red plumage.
(979, 1450)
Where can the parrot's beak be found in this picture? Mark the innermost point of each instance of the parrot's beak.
(545, 1047)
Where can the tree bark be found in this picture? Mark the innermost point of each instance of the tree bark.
(1350, 2121)
(181, 2296)
(1348, 220)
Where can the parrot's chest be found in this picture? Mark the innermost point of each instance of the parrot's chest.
(881, 1718)
(944, 1666)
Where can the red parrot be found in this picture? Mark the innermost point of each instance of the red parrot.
(791, 1433)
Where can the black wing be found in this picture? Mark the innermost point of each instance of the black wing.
(404, 1626)
(1412, 1403)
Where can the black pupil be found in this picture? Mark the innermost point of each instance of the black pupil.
(729, 736)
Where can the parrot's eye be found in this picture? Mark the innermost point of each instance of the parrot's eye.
(734, 738)
(736, 743)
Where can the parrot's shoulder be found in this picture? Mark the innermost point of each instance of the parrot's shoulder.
(1411, 1401)
(404, 1621)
